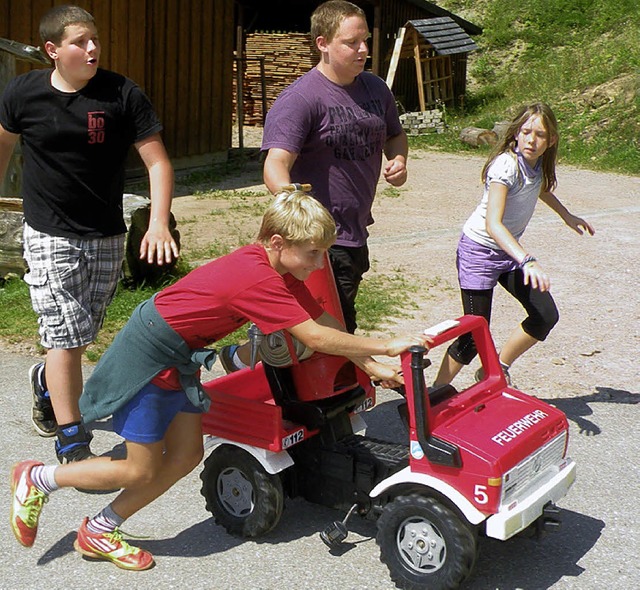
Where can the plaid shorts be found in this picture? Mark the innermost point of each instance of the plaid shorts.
(72, 281)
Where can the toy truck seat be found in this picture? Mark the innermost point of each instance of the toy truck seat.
(322, 386)
(318, 389)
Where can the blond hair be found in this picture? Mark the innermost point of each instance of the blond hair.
(55, 22)
(298, 218)
(509, 142)
(327, 18)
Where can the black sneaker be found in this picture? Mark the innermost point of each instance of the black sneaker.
(73, 444)
(226, 358)
(42, 416)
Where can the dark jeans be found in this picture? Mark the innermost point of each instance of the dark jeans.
(349, 264)
(540, 307)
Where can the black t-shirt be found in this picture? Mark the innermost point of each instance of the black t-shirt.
(74, 148)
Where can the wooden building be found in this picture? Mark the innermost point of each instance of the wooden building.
(179, 51)
(276, 31)
(438, 48)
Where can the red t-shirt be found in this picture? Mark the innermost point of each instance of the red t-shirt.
(222, 295)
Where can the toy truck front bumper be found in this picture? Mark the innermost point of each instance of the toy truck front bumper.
(509, 522)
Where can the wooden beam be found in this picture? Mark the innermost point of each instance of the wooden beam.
(395, 56)
(419, 76)
(239, 83)
(376, 63)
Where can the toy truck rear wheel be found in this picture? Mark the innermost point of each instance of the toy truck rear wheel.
(244, 499)
(424, 544)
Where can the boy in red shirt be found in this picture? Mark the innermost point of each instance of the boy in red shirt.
(158, 401)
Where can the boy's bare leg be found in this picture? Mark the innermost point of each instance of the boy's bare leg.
(64, 381)
(183, 451)
(148, 470)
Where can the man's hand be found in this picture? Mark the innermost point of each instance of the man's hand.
(395, 171)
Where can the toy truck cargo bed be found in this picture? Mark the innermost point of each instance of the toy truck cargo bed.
(263, 407)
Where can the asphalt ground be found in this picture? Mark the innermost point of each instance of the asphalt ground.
(596, 548)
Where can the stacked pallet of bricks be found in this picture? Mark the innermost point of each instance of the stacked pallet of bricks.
(286, 57)
(423, 122)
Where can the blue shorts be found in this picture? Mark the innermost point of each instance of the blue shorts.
(147, 416)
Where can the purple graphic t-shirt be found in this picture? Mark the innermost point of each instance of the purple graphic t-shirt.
(339, 134)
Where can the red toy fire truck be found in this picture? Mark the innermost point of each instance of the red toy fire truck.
(488, 459)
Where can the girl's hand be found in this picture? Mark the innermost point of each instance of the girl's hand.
(579, 225)
(534, 275)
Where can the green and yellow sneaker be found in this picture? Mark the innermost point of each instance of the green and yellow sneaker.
(111, 547)
(26, 504)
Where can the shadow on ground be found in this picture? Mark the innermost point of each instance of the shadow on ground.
(576, 408)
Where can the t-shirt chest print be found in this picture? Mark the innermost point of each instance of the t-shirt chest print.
(96, 127)
(355, 132)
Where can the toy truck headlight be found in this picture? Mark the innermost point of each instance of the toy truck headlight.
(544, 463)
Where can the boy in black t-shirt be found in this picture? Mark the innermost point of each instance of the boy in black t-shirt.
(76, 123)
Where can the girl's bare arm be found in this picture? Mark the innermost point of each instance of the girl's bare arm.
(533, 272)
(576, 223)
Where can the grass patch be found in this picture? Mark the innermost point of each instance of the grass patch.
(212, 250)
(18, 321)
(391, 192)
(382, 297)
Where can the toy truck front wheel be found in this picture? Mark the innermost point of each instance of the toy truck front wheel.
(424, 544)
(244, 499)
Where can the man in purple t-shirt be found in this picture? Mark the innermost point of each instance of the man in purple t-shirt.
(330, 129)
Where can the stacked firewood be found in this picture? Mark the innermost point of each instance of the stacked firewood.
(286, 56)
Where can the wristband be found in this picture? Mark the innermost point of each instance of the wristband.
(527, 259)
(296, 186)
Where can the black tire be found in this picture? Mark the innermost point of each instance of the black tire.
(424, 544)
(243, 498)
